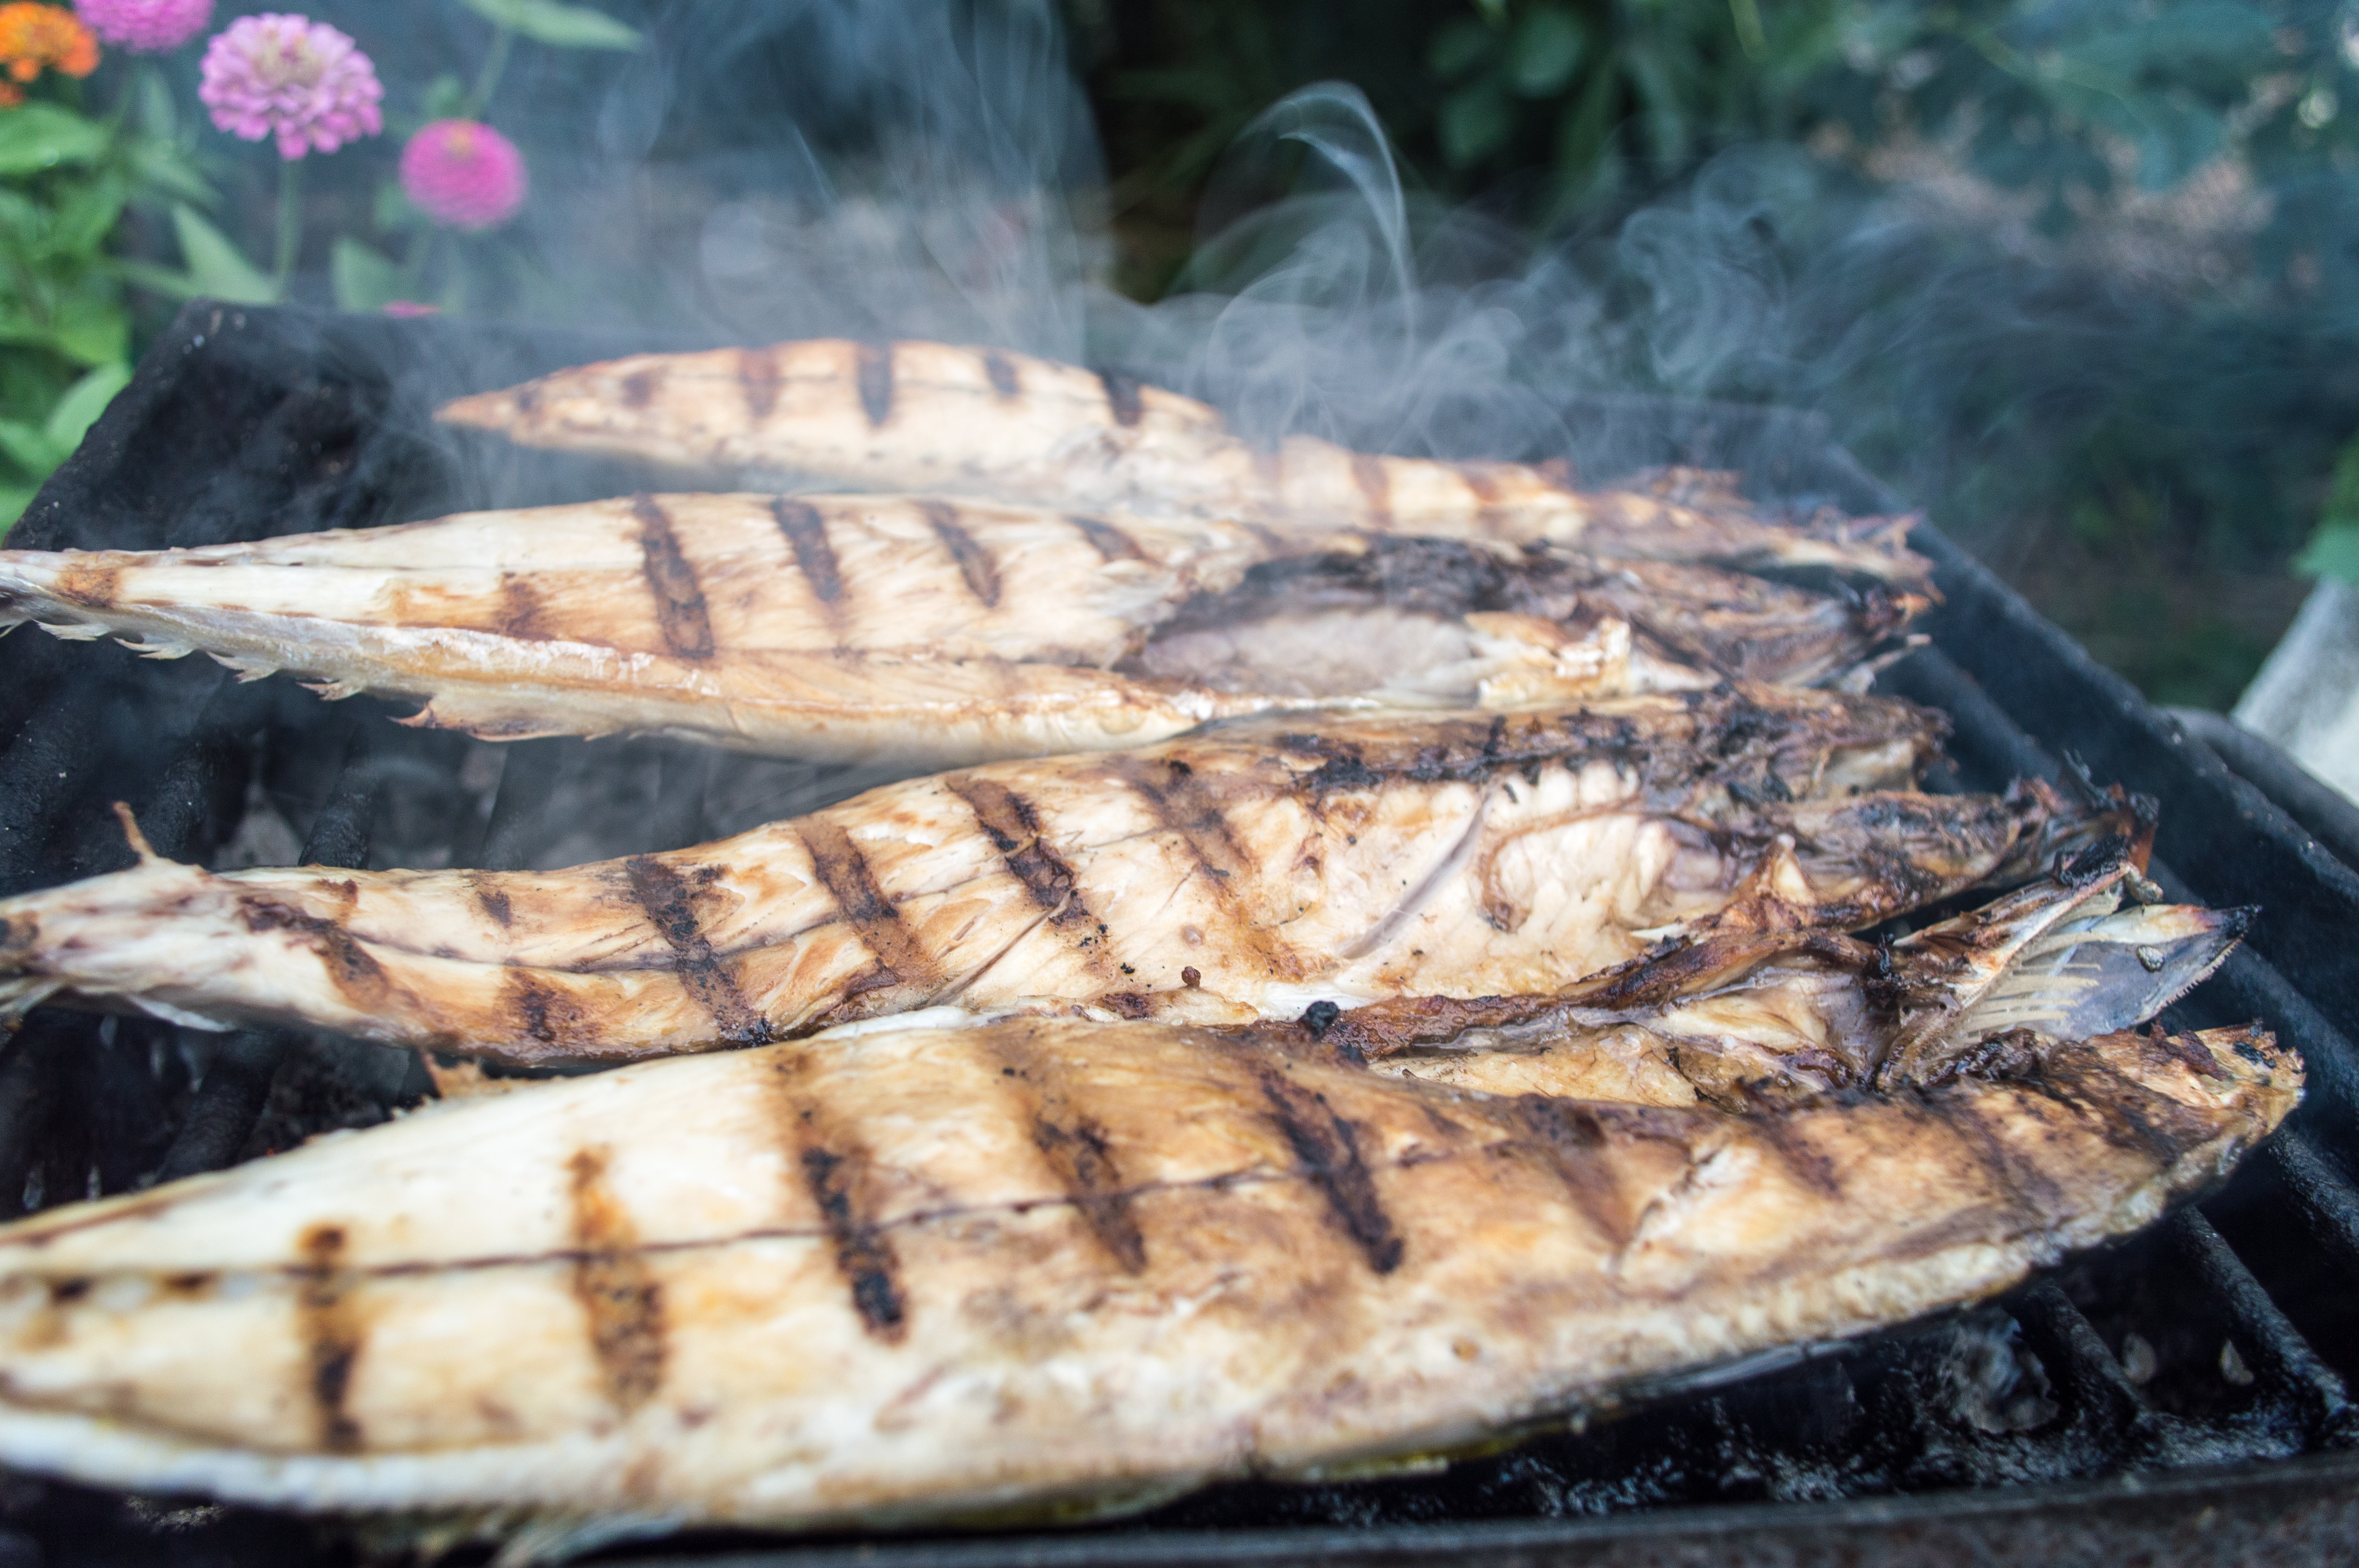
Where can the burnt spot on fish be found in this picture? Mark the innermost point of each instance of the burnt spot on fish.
(1376, 482)
(1013, 826)
(680, 599)
(761, 379)
(1571, 1142)
(843, 871)
(521, 609)
(671, 908)
(1123, 398)
(1788, 1136)
(526, 399)
(1181, 805)
(1484, 486)
(639, 388)
(974, 563)
(998, 370)
(1110, 541)
(621, 1299)
(835, 1172)
(806, 534)
(873, 369)
(1084, 1165)
(1327, 1150)
(351, 968)
(493, 897)
(332, 1333)
(92, 588)
(546, 1014)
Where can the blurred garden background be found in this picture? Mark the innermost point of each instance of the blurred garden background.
(2079, 276)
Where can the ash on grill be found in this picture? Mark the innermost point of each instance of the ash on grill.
(2220, 1338)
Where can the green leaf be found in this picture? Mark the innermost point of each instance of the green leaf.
(560, 25)
(13, 499)
(395, 210)
(92, 328)
(30, 448)
(158, 117)
(1542, 55)
(1460, 48)
(85, 401)
(162, 168)
(156, 279)
(364, 279)
(216, 267)
(2332, 551)
(42, 136)
(445, 99)
(87, 216)
(1474, 123)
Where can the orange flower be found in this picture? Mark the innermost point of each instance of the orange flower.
(33, 38)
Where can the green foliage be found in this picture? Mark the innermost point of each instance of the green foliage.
(556, 25)
(2333, 549)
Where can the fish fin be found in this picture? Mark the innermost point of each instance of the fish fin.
(138, 840)
(246, 670)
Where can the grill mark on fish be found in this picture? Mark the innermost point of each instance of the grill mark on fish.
(835, 1167)
(493, 899)
(806, 534)
(1181, 806)
(998, 370)
(680, 599)
(332, 1333)
(1123, 397)
(843, 871)
(1013, 825)
(1110, 541)
(974, 563)
(621, 1298)
(546, 1014)
(1485, 488)
(1376, 482)
(1327, 1150)
(92, 588)
(1568, 1139)
(1781, 1132)
(760, 378)
(521, 609)
(351, 968)
(1075, 1148)
(671, 908)
(640, 387)
(874, 370)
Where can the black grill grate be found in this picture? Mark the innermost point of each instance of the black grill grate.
(2182, 1396)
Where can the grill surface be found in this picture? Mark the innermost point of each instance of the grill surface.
(2180, 1398)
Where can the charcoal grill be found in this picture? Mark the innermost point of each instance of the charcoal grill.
(2180, 1398)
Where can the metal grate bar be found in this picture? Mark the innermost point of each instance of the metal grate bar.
(2285, 1357)
(2102, 1399)
(527, 775)
(2329, 1202)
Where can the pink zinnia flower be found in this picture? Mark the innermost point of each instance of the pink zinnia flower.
(464, 173)
(293, 77)
(146, 27)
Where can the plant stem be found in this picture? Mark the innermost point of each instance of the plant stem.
(290, 218)
(494, 63)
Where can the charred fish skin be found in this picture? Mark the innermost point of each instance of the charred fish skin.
(1036, 1263)
(911, 415)
(1371, 858)
(925, 629)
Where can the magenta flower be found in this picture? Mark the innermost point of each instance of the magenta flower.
(464, 173)
(146, 27)
(292, 78)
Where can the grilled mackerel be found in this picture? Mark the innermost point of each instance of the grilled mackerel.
(869, 627)
(1003, 426)
(1252, 870)
(1030, 1269)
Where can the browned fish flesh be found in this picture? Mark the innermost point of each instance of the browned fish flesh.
(1032, 1268)
(1252, 870)
(1738, 1017)
(883, 627)
(1005, 426)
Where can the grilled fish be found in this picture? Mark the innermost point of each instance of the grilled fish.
(1735, 1016)
(1246, 871)
(1003, 426)
(1031, 1267)
(873, 627)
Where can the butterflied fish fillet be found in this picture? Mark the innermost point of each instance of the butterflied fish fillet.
(923, 630)
(1032, 1265)
(1735, 1017)
(1251, 871)
(1005, 426)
